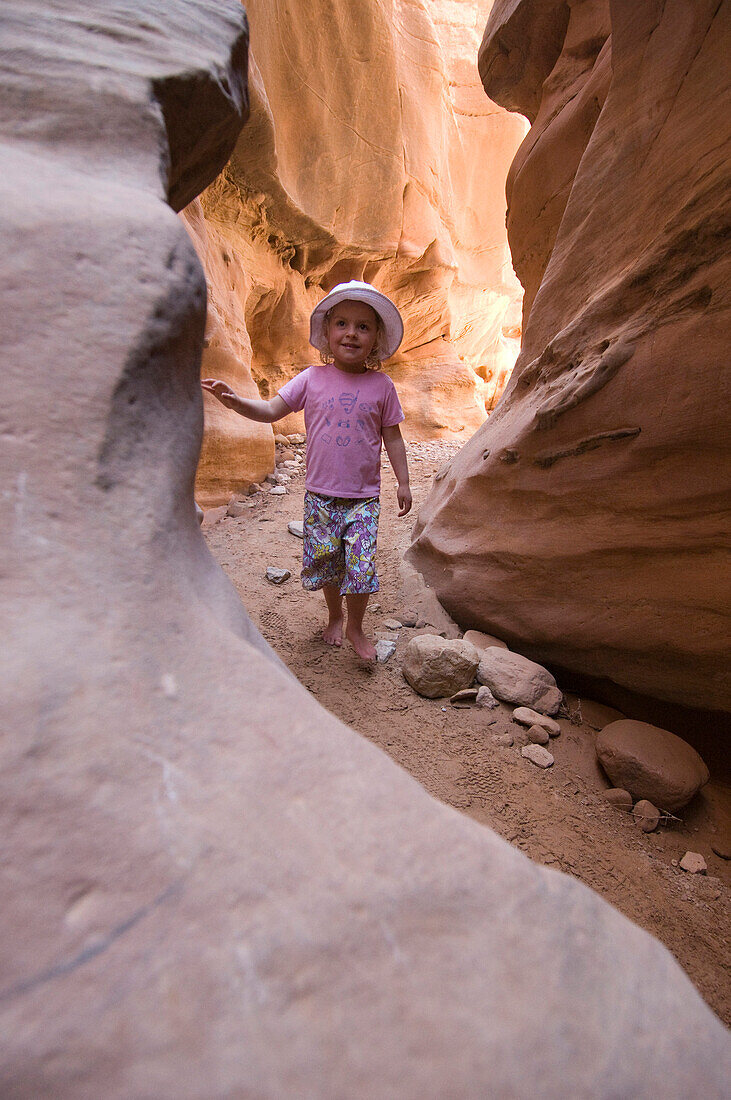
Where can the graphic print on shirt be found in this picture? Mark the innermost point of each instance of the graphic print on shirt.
(346, 431)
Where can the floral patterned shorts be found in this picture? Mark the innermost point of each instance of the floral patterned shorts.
(340, 543)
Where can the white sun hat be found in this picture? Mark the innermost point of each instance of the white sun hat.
(356, 291)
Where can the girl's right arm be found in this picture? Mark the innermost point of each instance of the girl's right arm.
(266, 412)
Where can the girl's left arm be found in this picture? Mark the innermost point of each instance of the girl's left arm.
(396, 451)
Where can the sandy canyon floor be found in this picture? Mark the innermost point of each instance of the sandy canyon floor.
(556, 817)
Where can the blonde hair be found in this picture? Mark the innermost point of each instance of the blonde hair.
(373, 359)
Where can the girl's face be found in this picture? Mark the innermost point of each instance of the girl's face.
(352, 332)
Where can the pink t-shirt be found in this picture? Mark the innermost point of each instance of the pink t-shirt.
(344, 415)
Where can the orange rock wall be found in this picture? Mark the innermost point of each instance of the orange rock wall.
(584, 521)
(398, 180)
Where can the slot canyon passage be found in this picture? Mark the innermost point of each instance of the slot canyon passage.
(217, 880)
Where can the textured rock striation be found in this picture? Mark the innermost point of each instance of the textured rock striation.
(397, 180)
(210, 886)
(584, 522)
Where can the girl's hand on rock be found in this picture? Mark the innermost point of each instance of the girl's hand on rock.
(221, 390)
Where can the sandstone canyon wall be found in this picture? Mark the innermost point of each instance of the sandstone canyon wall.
(371, 152)
(585, 521)
(210, 887)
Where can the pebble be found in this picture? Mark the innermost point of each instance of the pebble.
(538, 735)
(693, 863)
(646, 815)
(466, 695)
(485, 698)
(617, 796)
(286, 455)
(527, 717)
(504, 739)
(296, 528)
(392, 624)
(237, 508)
(213, 515)
(280, 440)
(278, 491)
(408, 618)
(291, 464)
(537, 755)
(277, 576)
(296, 437)
(281, 479)
(385, 648)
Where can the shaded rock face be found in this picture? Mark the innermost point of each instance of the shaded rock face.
(210, 886)
(397, 180)
(582, 523)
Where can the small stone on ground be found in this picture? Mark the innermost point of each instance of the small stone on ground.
(646, 815)
(528, 717)
(537, 755)
(693, 863)
(485, 698)
(466, 695)
(277, 576)
(278, 491)
(617, 796)
(385, 648)
(392, 624)
(296, 528)
(538, 735)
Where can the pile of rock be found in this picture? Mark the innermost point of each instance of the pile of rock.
(436, 666)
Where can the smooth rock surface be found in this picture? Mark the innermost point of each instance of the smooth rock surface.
(296, 528)
(210, 886)
(436, 666)
(651, 763)
(582, 521)
(514, 679)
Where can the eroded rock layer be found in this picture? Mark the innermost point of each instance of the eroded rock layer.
(210, 887)
(396, 179)
(584, 522)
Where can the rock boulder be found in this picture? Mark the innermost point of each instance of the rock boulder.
(651, 763)
(514, 679)
(582, 520)
(436, 666)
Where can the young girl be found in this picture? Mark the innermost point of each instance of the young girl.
(349, 408)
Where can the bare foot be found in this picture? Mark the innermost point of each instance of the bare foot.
(361, 643)
(333, 632)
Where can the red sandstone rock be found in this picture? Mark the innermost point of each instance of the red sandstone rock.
(651, 763)
(599, 475)
(399, 181)
(209, 885)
